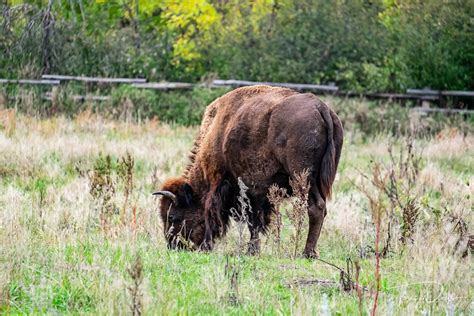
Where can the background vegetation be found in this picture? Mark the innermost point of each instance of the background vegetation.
(378, 45)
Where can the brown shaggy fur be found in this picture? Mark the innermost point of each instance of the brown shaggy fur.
(264, 135)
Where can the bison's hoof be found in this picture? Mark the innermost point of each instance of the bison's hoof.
(205, 246)
(253, 249)
(311, 254)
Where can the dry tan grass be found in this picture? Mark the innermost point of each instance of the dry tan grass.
(450, 143)
(45, 147)
(345, 218)
(448, 184)
(8, 121)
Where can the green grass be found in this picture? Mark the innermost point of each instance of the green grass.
(56, 259)
(461, 166)
(194, 282)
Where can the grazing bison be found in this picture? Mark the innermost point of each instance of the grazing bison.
(264, 135)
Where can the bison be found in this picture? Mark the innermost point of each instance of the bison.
(263, 135)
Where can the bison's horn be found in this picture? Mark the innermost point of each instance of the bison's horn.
(167, 194)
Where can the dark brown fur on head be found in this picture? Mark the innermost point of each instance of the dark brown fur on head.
(182, 220)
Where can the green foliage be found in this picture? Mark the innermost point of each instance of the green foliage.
(102, 187)
(185, 108)
(68, 296)
(433, 41)
(40, 186)
(380, 45)
(371, 118)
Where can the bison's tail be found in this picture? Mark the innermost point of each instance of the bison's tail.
(331, 157)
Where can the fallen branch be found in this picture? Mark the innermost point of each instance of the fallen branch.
(309, 282)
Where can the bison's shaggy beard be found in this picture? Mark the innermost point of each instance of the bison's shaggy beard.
(188, 235)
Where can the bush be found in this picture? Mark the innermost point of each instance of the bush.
(181, 107)
(360, 45)
(371, 117)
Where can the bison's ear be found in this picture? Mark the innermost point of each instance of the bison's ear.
(188, 194)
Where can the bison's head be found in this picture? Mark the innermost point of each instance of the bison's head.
(181, 213)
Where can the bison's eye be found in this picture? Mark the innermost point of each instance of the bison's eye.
(171, 217)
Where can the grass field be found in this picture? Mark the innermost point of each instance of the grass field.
(59, 255)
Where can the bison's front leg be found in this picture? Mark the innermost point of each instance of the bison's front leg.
(214, 225)
(207, 244)
(316, 214)
(254, 243)
(258, 218)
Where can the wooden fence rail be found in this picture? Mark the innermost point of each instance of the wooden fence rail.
(428, 92)
(442, 110)
(30, 82)
(94, 79)
(295, 86)
(424, 95)
(164, 85)
(389, 96)
(49, 96)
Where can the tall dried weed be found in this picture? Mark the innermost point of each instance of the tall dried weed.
(135, 272)
(275, 196)
(234, 265)
(391, 189)
(125, 173)
(299, 201)
(241, 215)
(102, 190)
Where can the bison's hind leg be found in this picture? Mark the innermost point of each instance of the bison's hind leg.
(316, 214)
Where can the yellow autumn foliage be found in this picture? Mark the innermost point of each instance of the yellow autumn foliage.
(187, 19)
